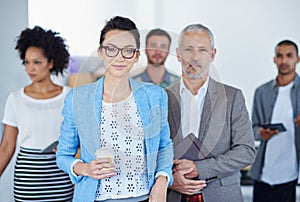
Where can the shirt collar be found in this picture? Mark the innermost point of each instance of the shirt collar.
(202, 89)
(296, 82)
(166, 80)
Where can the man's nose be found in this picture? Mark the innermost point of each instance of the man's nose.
(284, 59)
(196, 55)
(195, 62)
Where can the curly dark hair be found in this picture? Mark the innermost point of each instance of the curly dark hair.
(53, 47)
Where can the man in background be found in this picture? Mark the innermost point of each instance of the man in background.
(158, 44)
(276, 167)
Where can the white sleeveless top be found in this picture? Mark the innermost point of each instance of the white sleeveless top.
(38, 120)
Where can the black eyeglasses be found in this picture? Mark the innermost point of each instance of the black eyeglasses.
(112, 51)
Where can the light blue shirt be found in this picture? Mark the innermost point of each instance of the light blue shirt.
(168, 79)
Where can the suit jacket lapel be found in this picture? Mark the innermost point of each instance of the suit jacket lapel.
(87, 111)
(175, 112)
(209, 102)
(213, 117)
(213, 114)
(95, 128)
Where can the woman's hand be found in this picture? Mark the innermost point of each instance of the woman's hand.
(98, 169)
(159, 190)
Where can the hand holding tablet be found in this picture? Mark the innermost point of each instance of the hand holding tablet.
(275, 126)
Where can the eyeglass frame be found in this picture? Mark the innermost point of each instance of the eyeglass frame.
(119, 49)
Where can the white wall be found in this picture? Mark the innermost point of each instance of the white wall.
(246, 32)
(13, 18)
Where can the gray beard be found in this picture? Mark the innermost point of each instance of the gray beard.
(197, 76)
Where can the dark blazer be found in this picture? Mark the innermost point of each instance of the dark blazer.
(226, 137)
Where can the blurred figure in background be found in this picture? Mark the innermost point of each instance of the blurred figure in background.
(157, 50)
(276, 167)
(33, 117)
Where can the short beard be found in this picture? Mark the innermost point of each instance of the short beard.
(151, 62)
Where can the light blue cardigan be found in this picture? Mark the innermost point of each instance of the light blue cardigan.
(81, 127)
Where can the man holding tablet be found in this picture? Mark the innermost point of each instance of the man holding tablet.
(276, 123)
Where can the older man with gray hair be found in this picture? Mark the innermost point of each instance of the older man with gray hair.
(210, 126)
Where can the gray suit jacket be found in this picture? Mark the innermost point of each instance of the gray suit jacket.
(226, 136)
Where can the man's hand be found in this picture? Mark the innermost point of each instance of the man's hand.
(159, 190)
(181, 183)
(267, 133)
(184, 164)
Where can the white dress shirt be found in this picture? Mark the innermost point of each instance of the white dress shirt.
(191, 108)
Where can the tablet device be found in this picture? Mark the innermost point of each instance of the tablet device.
(275, 126)
(49, 148)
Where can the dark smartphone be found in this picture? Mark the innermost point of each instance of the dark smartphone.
(50, 147)
(275, 126)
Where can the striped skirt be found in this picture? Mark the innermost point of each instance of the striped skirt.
(37, 178)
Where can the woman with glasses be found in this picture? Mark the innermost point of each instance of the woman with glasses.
(121, 126)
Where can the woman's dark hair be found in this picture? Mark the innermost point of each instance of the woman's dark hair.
(53, 47)
(123, 24)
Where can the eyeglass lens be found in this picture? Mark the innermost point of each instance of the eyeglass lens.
(112, 51)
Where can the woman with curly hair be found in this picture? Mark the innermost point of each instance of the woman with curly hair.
(32, 117)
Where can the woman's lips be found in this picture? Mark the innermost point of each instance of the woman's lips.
(119, 67)
(31, 75)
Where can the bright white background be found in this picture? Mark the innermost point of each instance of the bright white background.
(246, 32)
